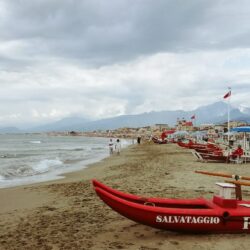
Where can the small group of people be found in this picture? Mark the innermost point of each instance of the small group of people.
(115, 146)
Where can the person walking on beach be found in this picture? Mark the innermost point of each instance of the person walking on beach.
(139, 139)
(118, 146)
(111, 147)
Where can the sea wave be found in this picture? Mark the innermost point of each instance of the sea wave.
(96, 148)
(13, 172)
(35, 142)
(31, 169)
(46, 164)
(8, 156)
(78, 149)
(32, 158)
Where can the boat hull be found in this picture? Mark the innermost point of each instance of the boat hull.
(212, 157)
(197, 215)
(158, 141)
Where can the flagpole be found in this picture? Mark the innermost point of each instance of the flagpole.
(228, 116)
(193, 117)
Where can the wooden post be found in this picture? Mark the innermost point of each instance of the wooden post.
(238, 192)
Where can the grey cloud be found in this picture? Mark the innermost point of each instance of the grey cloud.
(101, 32)
(104, 58)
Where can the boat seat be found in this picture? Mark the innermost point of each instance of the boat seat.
(246, 156)
(225, 189)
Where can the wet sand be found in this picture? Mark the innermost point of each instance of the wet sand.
(66, 214)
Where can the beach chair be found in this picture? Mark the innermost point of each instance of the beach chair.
(246, 156)
(197, 156)
(238, 160)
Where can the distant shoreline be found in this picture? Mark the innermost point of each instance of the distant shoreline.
(75, 133)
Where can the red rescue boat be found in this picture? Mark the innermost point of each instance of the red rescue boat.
(192, 145)
(159, 141)
(222, 214)
(215, 157)
(210, 149)
(199, 147)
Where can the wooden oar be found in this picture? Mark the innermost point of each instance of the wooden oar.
(241, 183)
(236, 177)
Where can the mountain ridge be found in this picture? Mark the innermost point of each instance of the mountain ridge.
(213, 113)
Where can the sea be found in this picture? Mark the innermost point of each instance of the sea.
(32, 158)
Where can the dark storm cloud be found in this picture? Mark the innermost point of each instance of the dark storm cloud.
(108, 31)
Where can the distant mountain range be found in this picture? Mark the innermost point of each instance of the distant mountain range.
(10, 130)
(214, 113)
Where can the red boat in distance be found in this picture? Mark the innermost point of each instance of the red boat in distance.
(191, 145)
(159, 141)
(214, 157)
(222, 214)
(209, 150)
(202, 148)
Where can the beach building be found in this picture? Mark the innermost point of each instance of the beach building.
(219, 128)
(234, 124)
(183, 125)
(207, 126)
(161, 126)
(212, 133)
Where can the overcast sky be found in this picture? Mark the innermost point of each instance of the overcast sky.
(103, 58)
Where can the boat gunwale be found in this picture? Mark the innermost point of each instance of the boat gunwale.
(160, 209)
(171, 201)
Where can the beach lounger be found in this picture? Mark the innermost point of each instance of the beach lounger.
(238, 160)
(246, 157)
(197, 156)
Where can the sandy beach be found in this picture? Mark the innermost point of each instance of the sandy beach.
(67, 214)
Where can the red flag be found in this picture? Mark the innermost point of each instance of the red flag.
(227, 94)
(193, 117)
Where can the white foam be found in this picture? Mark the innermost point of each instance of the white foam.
(45, 165)
(38, 163)
(35, 142)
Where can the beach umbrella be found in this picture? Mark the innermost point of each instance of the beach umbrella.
(230, 133)
(180, 133)
(243, 129)
(198, 134)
